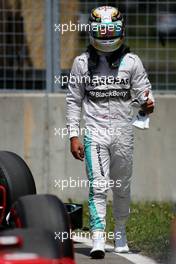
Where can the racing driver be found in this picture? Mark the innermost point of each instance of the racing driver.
(107, 79)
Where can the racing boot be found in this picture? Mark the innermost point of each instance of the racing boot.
(121, 245)
(98, 250)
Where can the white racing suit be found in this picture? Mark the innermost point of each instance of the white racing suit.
(108, 141)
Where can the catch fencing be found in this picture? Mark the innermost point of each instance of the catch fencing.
(35, 54)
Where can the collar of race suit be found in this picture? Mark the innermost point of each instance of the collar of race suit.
(113, 58)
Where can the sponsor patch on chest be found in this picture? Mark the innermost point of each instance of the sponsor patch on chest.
(108, 80)
(113, 94)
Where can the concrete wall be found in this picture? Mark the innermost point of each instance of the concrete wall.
(27, 127)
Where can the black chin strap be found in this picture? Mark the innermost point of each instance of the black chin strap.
(113, 60)
(93, 60)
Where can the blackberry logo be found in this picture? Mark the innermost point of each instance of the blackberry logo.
(96, 95)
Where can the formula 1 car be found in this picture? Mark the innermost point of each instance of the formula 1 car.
(35, 228)
(31, 246)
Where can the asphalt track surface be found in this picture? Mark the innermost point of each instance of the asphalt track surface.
(82, 256)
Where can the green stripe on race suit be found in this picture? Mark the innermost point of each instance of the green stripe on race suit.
(97, 225)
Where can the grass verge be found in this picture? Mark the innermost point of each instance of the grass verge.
(148, 228)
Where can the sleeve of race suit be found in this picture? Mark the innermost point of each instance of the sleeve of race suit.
(74, 99)
(141, 85)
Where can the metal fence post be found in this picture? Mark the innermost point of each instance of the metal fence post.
(52, 44)
(56, 44)
(48, 43)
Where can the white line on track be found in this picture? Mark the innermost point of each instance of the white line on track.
(133, 257)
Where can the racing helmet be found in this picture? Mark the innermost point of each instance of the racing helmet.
(107, 29)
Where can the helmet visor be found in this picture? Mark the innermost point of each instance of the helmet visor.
(106, 30)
